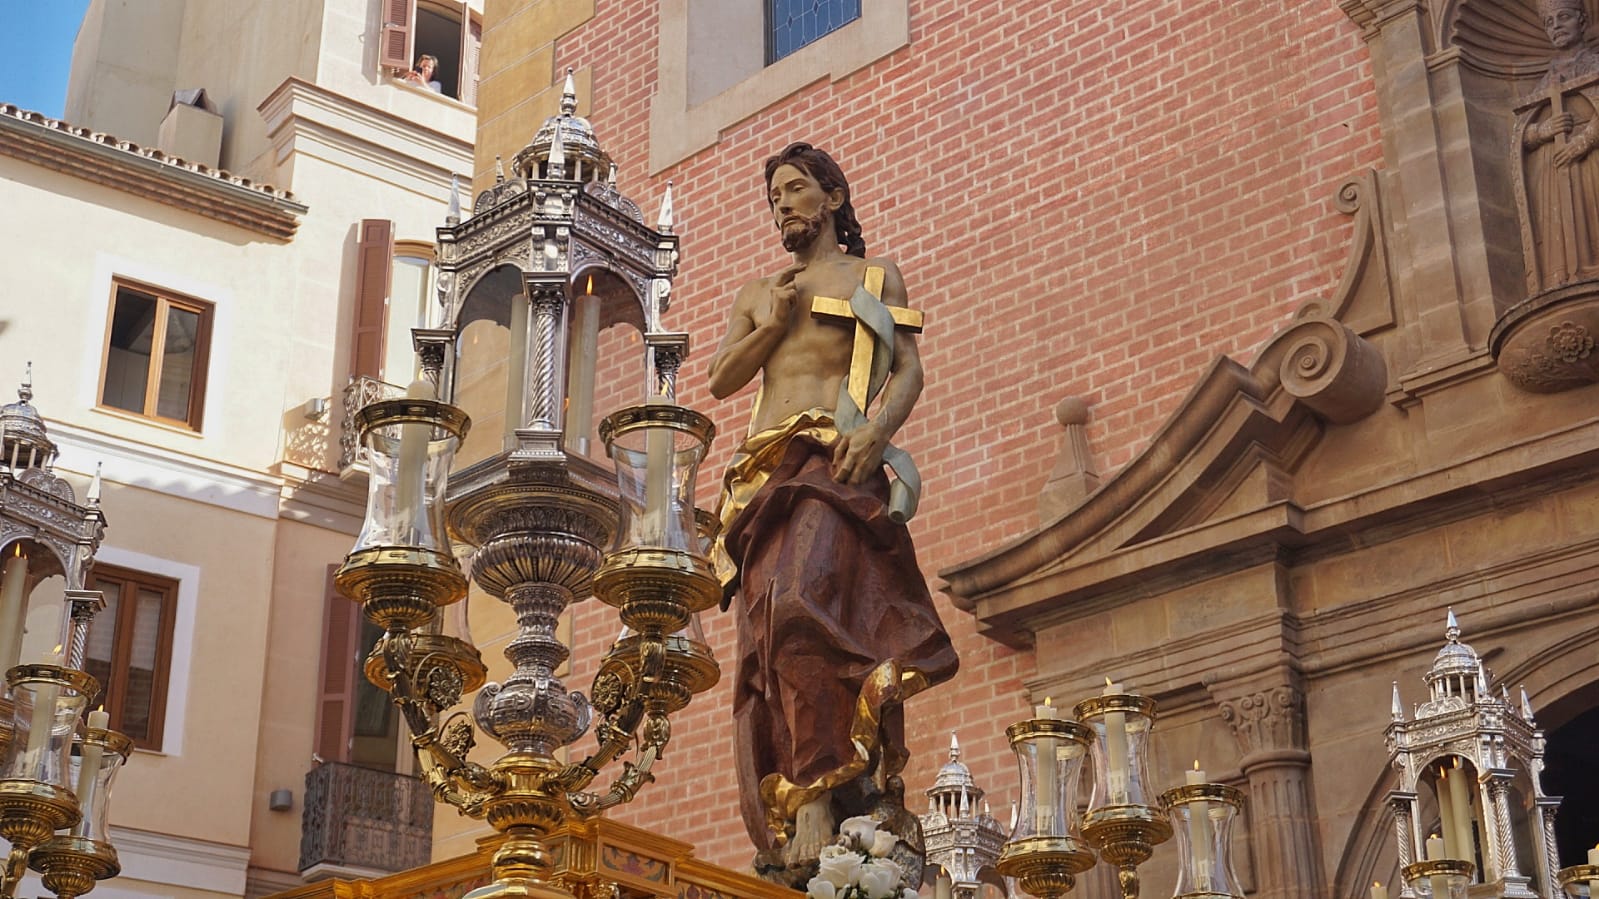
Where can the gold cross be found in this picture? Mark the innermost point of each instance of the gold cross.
(860, 365)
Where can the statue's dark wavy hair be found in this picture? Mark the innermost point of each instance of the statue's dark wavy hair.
(821, 166)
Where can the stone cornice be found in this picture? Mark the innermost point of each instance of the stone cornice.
(299, 112)
(149, 173)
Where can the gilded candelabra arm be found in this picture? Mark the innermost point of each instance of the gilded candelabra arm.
(454, 780)
(657, 733)
(16, 866)
(622, 696)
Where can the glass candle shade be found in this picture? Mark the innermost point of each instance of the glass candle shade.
(1444, 878)
(657, 448)
(47, 701)
(1049, 756)
(1579, 881)
(1121, 723)
(410, 446)
(99, 755)
(1043, 851)
(1202, 818)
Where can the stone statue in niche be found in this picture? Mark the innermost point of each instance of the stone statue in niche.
(1557, 130)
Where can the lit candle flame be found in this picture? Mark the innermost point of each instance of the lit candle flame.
(1046, 701)
(1109, 682)
(589, 290)
(1196, 764)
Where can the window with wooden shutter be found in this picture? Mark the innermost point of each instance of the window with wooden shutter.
(129, 650)
(394, 43)
(156, 354)
(335, 721)
(374, 262)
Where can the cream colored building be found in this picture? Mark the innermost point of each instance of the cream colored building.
(195, 330)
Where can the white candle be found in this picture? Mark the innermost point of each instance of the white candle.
(1199, 831)
(1446, 814)
(657, 483)
(1438, 882)
(1116, 748)
(44, 716)
(13, 608)
(1378, 891)
(1044, 819)
(411, 476)
(944, 887)
(1464, 817)
(1593, 859)
(89, 765)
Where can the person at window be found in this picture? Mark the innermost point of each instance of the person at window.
(422, 74)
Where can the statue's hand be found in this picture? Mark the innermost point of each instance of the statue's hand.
(1572, 152)
(859, 453)
(781, 300)
(1556, 126)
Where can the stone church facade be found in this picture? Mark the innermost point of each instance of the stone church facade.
(1246, 362)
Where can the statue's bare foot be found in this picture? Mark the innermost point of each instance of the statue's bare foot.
(813, 829)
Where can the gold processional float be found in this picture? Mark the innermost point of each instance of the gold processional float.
(549, 528)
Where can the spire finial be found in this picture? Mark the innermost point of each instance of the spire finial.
(93, 496)
(454, 215)
(25, 392)
(569, 94)
(557, 168)
(1397, 710)
(610, 178)
(954, 747)
(1452, 627)
(1526, 705)
(664, 222)
(499, 170)
(1482, 681)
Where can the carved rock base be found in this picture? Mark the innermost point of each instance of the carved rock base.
(1545, 344)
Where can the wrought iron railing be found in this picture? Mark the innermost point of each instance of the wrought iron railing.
(364, 818)
(359, 392)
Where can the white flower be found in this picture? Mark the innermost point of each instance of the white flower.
(882, 844)
(858, 829)
(838, 866)
(909, 894)
(880, 879)
(820, 889)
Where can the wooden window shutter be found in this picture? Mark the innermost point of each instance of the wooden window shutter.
(341, 629)
(394, 44)
(471, 44)
(373, 271)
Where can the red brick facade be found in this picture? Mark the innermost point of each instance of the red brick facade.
(1086, 199)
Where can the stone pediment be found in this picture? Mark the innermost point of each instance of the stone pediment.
(1214, 490)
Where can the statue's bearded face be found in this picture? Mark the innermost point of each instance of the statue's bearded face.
(800, 207)
(1564, 22)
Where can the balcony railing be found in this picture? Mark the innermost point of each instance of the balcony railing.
(363, 819)
(359, 392)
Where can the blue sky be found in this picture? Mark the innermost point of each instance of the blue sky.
(36, 42)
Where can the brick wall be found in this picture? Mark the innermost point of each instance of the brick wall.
(1090, 199)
